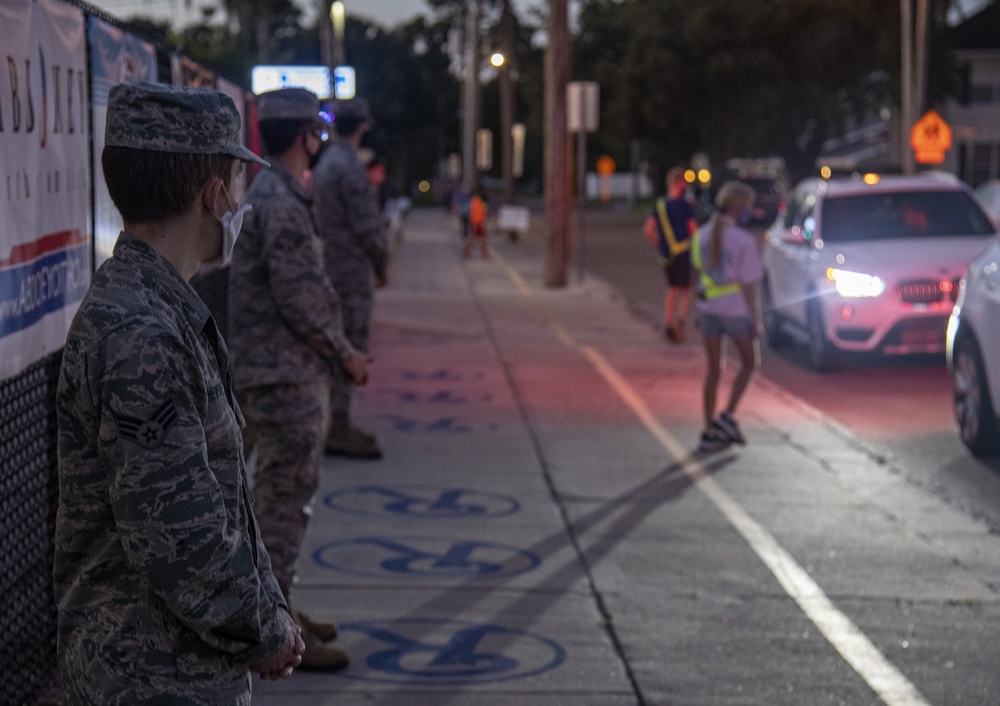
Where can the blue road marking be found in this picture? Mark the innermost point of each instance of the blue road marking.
(425, 558)
(439, 375)
(444, 396)
(422, 502)
(451, 424)
(448, 652)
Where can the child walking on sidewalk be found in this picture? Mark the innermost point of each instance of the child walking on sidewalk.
(477, 227)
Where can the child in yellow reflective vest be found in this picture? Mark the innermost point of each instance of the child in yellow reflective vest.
(727, 262)
(669, 229)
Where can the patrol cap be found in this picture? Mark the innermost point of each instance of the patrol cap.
(179, 119)
(354, 108)
(288, 104)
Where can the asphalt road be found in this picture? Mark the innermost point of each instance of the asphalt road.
(900, 409)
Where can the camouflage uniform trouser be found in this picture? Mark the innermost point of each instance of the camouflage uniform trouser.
(356, 309)
(287, 424)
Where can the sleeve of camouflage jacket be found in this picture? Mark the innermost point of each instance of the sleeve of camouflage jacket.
(169, 505)
(364, 218)
(300, 284)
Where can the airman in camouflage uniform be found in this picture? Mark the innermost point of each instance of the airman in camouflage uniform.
(164, 587)
(287, 339)
(354, 231)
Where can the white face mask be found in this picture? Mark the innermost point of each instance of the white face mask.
(231, 225)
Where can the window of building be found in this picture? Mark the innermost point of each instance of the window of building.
(984, 163)
(981, 93)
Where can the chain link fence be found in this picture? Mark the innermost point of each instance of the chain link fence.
(29, 488)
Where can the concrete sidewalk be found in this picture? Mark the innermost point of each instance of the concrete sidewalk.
(539, 532)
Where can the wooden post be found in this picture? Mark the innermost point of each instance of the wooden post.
(557, 182)
(470, 109)
(507, 98)
(906, 116)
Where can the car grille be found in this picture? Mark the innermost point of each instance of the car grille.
(926, 291)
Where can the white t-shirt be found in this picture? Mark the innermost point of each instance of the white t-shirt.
(740, 263)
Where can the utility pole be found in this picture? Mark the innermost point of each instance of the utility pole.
(906, 119)
(470, 111)
(507, 98)
(325, 35)
(262, 17)
(556, 143)
(913, 74)
(920, 60)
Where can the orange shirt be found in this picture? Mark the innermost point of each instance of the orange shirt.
(477, 211)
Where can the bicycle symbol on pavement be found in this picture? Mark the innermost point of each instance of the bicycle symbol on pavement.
(439, 375)
(422, 502)
(425, 557)
(448, 652)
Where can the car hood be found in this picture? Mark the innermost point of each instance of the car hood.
(933, 258)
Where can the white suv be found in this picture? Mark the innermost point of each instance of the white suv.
(974, 357)
(856, 267)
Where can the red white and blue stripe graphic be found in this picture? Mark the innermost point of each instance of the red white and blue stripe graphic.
(42, 277)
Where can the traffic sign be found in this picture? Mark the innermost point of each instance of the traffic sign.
(583, 112)
(930, 138)
(606, 166)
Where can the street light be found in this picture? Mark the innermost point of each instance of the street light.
(332, 43)
(337, 17)
(497, 60)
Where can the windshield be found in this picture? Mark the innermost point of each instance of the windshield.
(762, 186)
(902, 214)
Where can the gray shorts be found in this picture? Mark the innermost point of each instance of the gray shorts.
(732, 326)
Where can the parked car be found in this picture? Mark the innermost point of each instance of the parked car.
(874, 267)
(973, 356)
(989, 195)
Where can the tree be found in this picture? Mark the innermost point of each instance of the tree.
(741, 77)
(404, 74)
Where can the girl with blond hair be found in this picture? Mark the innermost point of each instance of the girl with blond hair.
(728, 270)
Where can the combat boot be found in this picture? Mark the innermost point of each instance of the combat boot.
(344, 439)
(321, 658)
(323, 631)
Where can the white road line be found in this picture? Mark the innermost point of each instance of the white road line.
(853, 645)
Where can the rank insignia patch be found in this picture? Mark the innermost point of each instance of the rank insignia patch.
(149, 433)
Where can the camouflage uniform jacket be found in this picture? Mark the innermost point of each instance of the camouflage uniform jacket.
(351, 226)
(284, 316)
(163, 584)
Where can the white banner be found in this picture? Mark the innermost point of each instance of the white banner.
(45, 232)
(115, 57)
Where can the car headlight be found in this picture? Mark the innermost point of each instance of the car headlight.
(855, 284)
